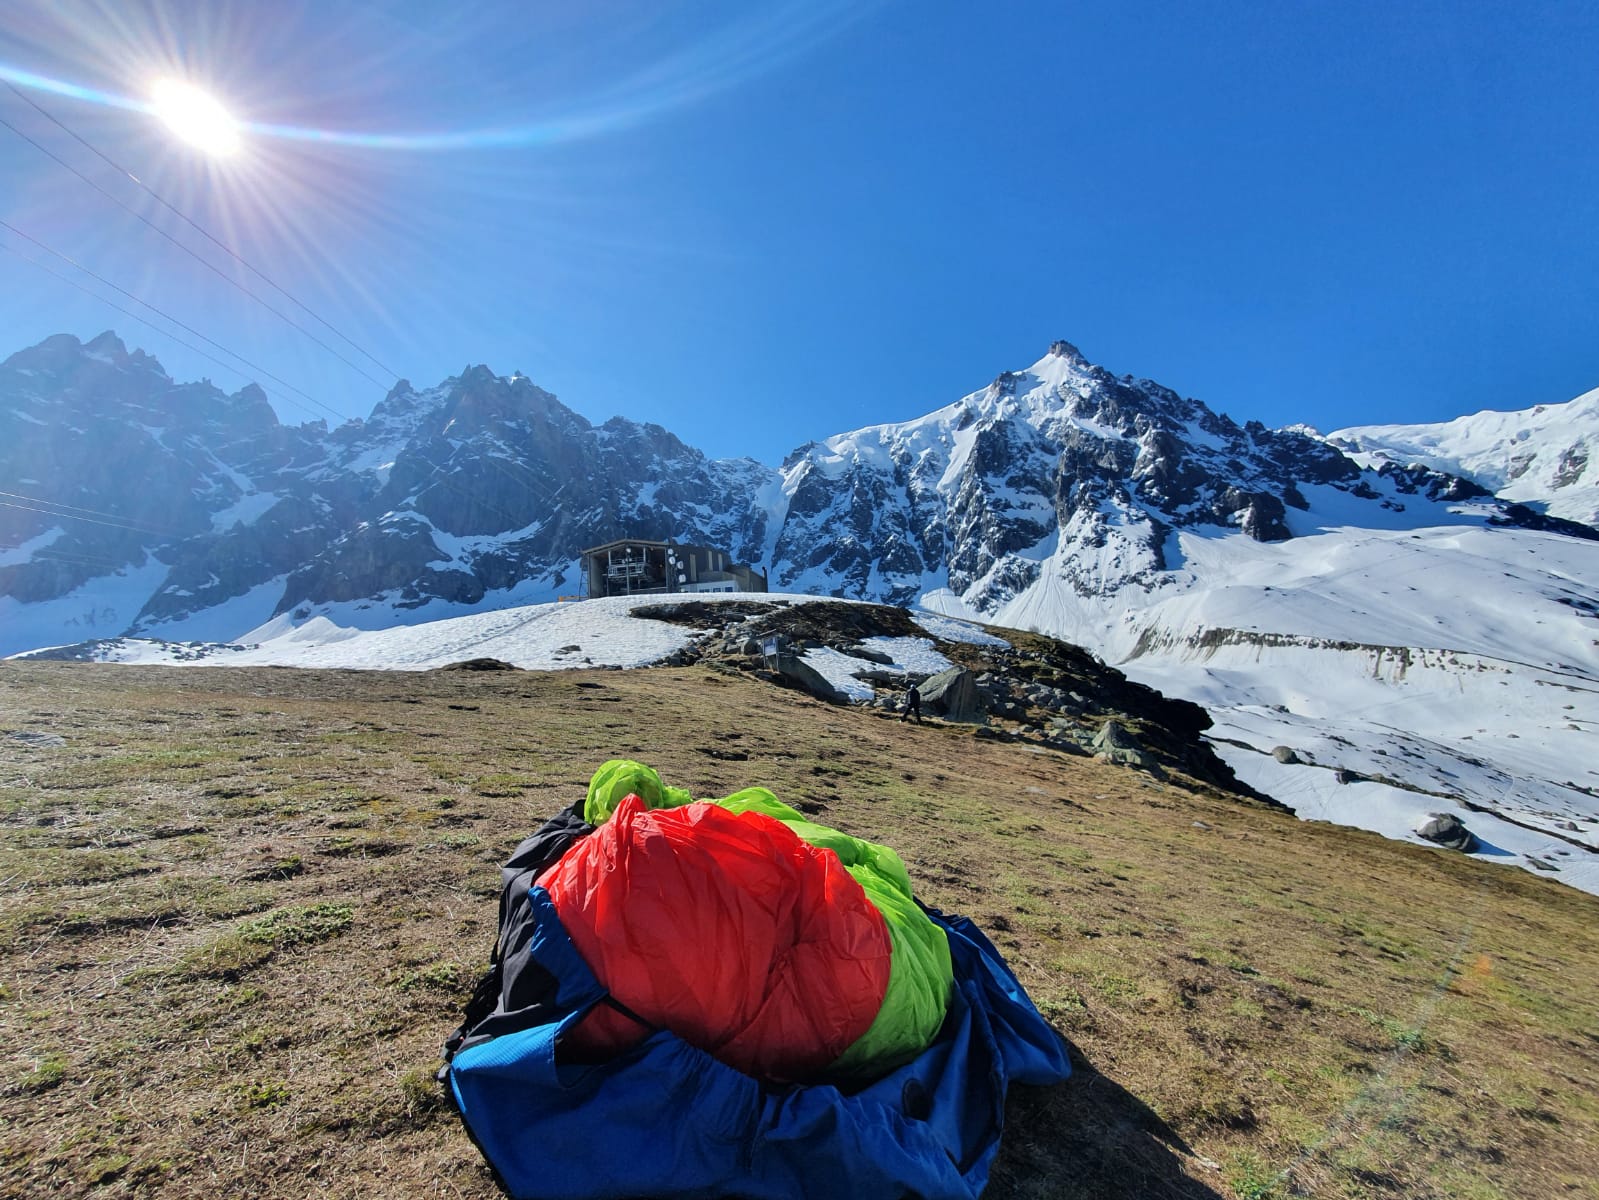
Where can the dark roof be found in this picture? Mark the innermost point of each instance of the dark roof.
(624, 542)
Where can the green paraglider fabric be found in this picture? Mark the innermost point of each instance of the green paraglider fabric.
(921, 974)
(622, 777)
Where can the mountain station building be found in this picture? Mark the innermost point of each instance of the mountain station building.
(633, 567)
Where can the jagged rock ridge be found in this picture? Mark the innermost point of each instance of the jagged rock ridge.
(478, 485)
(1062, 478)
(1066, 471)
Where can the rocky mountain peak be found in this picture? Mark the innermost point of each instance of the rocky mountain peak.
(107, 343)
(1062, 474)
(54, 354)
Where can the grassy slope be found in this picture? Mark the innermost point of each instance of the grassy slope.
(239, 910)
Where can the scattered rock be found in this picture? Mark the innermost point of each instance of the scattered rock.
(483, 664)
(1030, 687)
(1448, 831)
(1113, 735)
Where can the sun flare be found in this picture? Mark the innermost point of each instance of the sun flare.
(196, 117)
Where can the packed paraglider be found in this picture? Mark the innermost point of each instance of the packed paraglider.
(722, 997)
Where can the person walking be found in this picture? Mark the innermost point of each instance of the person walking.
(913, 705)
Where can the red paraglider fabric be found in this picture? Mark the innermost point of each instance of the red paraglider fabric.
(729, 930)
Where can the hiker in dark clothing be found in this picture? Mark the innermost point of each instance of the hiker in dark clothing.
(913, 705)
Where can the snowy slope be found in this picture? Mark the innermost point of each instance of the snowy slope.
(1397, 627)
(1436, 669)
(537, 637)
(1547, 454)
(544, 637)
(1382, 737)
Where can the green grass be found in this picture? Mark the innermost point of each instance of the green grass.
(1252, 1179)
(244, 907)
(299, 926)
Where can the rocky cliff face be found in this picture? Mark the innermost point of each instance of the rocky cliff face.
(110, 464)
(478, 485)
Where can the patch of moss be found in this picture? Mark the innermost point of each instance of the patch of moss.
(107, 1168)
(441, 977)
(45, 1074)
(1251, 1179)
(263, 1093)
(297, 926)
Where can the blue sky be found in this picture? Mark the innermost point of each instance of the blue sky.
(762, 224)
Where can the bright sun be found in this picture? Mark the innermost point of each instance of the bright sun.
(196, 117)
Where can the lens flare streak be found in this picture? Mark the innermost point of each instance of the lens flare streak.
(717, 62)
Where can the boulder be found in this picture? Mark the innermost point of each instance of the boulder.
(1448, 831)
(1113, 735)
(1113, 744)
(483, 664)
(1285, 755)
(953, 695)
(992, 685)
(804, 676)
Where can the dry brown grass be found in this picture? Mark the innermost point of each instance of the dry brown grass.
(240, 909)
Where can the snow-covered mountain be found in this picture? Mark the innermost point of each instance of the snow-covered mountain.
(1375, 638)
(1375, 641)
(1546, 455)
(133, 503)
(1064, 476)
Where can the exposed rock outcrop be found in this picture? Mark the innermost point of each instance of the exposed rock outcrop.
(1026, 687)
(1448, 831)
